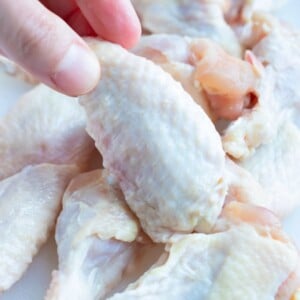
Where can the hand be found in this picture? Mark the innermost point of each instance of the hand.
(36, 35)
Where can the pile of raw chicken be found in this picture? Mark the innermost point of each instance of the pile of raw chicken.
(147, 199)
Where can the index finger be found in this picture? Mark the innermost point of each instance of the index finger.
(113, 20)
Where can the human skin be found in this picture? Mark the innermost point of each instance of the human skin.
(44, 37)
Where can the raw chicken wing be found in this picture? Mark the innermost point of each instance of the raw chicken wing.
(243, 187)
(256, 126)
(278, 94)
(275, 166)
(29, 204)
(241, 11)
(250, 260)
(43, 127)
(279, 51)
(203, 68)
(174, 54)
(194, 18)
(94, 235)
(229, 82)
(265, 139)
(160, 145)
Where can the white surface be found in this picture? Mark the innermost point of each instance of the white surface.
(33, 284)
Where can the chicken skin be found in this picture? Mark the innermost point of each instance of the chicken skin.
(158, 143)
(95, 237)
(196, 18)
(29, 204)
(265, 140)
(220, 83)
(249, 260)
(43, 127)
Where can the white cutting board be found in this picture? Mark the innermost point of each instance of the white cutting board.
(34, 283)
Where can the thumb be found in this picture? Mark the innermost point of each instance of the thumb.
(47, 47)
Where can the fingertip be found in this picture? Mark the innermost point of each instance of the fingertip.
(132, 34)
(78, 71)
(115, 21)
(131, 30)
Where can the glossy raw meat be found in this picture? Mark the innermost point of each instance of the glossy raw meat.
(174, 54)
(249, 260)
(196, 18)
(160, 145)
(44, 126)
(279, 51)
(220, 83)
(275, 166)
(290, 289)
(266, 139)
(243, 187)
(255, 126)
(243, 10)
(29, 204)
(278, 94)
(94, 234)
(230, 83)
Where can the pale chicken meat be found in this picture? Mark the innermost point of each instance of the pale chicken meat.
(29, 204)
(196, 18)
(248, 260)
(279, 51)
(212, 205)
(244, 188)
(257, 125)
(268, 225)
(95, 237)
(275, 165)
(278, 94)
(158, 143)
(241, 11)
(291, 287)
(245, 194)
(174, 54)
(222, 84)
(230, 83)
(43, 127)
(265, 139)
(272, 187)
(254, 30)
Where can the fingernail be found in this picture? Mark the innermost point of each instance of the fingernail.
(78, 72)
